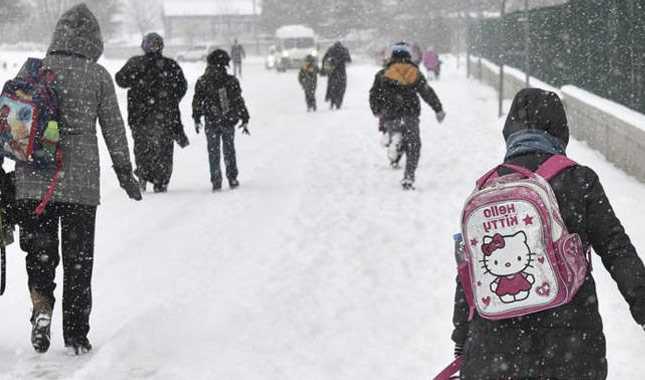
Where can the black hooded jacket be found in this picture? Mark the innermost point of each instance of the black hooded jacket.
(396, 89)
(218, 97)
(566, 342)
(156, 84)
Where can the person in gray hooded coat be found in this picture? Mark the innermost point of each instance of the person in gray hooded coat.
(86, 94)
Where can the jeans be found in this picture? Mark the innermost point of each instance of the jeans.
(237, 69)
(217, 136)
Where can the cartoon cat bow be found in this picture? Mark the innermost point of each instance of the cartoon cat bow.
(495, 244)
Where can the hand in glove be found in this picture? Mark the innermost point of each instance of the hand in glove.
(182, 139)
(245, 128)
(128, 183)
(440, 116)
(198, 126)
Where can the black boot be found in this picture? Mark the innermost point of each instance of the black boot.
(233, 183)
(78, 346)
(41, 331)
(41, 320)
(217, 187)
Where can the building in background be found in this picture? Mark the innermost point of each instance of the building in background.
(210, 22)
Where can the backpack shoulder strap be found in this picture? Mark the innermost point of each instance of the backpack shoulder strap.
(554, 165)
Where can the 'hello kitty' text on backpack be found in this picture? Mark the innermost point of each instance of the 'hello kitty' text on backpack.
(519, 258)
(29, 115)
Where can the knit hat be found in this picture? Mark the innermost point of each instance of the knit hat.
(152, 43)
(219, 57)
(401, 50)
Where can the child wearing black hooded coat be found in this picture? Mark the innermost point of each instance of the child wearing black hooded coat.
(566, 342)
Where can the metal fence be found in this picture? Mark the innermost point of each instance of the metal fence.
(598, 45)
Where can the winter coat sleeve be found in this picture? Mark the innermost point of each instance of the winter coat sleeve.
(301, 77)
(130, 74)
(428, 94)
(198, 100)
(238, 101)
(460, 316)
(112, 126)
(611, 243)
(376, 96)
(179, 84)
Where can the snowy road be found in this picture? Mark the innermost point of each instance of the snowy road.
(319, 267)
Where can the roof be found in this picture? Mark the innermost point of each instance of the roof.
(294, 31)
(179, 8)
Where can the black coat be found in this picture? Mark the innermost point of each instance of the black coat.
(308, 77)
(335, 67)
(396, 89)
(218, 98)
(336, 59)
(156, 85)
(566, 342)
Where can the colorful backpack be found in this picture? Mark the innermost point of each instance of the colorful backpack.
(29, 115)
(519, 258)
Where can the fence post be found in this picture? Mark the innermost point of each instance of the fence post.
(527, 42)
(501, 59)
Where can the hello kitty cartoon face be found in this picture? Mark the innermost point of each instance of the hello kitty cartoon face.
(506, 255)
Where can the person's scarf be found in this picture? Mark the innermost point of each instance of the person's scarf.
(533, 141)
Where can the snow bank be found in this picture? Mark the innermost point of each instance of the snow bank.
(627, 115)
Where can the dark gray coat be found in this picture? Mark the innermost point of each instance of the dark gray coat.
(87, 95)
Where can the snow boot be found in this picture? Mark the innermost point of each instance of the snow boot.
(158, 188)
(233, 183)
(217, 187)
(41, 321)
(407, 184)
(78, 347)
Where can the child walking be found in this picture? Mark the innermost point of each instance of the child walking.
(308, 78)
(394, 99)
(565, 340)
(218, 98)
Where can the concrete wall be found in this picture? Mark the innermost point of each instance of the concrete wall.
(614, 130)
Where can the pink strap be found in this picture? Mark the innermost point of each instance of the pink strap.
(554, 166)
(52, 185)
(451, 370)
(491, 175)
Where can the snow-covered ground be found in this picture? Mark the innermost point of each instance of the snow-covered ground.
(319, 267)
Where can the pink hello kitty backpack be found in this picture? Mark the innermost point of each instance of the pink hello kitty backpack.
(519, 258)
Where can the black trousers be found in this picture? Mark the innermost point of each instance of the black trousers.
(408, 127)
(224, 137)
(39, 238)
(310, 98)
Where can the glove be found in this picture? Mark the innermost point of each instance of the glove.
(198, 126)
(128, 183)
(459, 350)
(182, 139)
(245, 128)
(440, 116)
